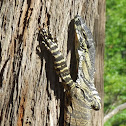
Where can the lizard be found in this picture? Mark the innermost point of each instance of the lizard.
(80, 96)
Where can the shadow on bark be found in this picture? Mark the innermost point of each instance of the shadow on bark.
(71, 47)
(52, 78)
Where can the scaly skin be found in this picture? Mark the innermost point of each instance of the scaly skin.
(81, 96)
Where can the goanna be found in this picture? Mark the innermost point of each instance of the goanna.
(81, 96)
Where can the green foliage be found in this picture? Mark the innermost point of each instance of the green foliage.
(115, 60)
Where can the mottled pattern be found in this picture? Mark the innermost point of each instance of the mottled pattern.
(81, 96)
(86, 65)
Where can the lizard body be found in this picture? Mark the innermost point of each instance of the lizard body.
(81, 96)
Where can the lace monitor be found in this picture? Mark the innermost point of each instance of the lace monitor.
(81, 96)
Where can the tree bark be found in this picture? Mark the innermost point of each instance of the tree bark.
(115, 111)
(99, 35)
(30, 90)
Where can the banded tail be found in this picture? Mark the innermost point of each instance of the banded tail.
(59, 61)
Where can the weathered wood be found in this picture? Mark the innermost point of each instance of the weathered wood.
(30, 91)
(99, 34)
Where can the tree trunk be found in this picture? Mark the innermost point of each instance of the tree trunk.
(99, 33)
(30, 90)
